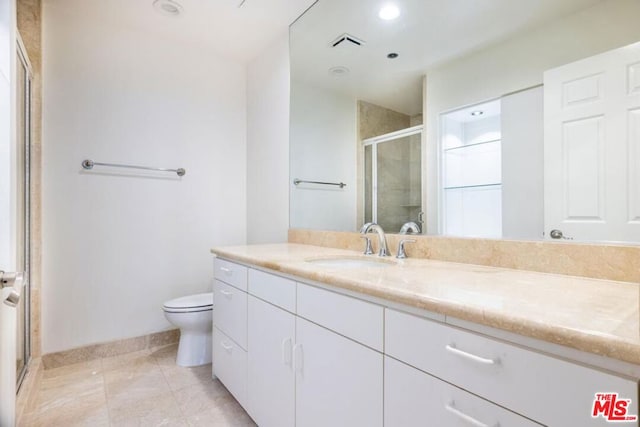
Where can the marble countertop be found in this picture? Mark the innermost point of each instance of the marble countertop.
(596, 316)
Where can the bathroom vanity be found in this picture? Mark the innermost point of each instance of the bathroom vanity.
(302, 342)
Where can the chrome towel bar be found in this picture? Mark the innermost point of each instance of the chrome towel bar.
(297, 181)
(89, 164)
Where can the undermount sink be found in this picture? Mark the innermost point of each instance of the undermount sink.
(351, 262)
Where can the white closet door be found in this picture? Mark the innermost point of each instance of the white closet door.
(592, 153)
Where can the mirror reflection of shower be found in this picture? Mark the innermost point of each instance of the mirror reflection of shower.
(392, 167)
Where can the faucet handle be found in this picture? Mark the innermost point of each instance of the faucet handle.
(368, 250)
(401, 252)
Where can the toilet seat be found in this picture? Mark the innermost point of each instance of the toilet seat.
(190, 304)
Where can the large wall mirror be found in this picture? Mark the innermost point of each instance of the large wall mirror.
(498, 119)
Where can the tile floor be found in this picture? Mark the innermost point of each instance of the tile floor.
(144, 388)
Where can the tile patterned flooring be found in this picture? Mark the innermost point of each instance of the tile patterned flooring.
(145, 388)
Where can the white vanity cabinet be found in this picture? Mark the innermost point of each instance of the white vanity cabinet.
(549, 390)
(229, 343)
(299, 355)
(304, 372)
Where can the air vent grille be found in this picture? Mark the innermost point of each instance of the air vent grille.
(347, 40)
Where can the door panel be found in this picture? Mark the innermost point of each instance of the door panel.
(271, 381)
(591, 147)
(338, 381)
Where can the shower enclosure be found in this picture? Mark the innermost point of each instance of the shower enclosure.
(23, 253)
(392, 178)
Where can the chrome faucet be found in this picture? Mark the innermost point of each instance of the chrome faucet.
(382, 240)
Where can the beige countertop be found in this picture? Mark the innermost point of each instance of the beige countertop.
(596, 316)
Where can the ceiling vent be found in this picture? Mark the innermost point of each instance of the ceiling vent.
(347, 40)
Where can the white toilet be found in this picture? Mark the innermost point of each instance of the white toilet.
(193, 314)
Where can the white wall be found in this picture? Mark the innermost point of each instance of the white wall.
(117, 243)
(323, 148)
(523, 165)
(268, 144)
(519, 63)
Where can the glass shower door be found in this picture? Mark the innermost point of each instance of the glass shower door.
(392, 181)
(23, 255)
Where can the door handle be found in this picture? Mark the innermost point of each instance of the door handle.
(557, 234)
(16, 282)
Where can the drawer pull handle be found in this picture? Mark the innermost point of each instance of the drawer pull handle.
(226, 271)
(464, 417)
(286, 351)
(451, 348)
(226, 293)
(227, 347)
(297, 358)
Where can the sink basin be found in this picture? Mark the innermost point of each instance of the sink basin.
(347, 262)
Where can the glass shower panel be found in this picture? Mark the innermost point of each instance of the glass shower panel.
(23, 120)
(368, 183)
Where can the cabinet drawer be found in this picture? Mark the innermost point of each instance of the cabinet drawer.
(230, 273)
(274, 289)
(415, 399)
(230, 312)
(230, 365)
(356, 319)
(549, 390)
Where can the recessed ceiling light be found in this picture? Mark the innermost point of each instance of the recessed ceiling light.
(477, 113)
(389, 11)
(168, 7)
(392, 55)
(339, 71)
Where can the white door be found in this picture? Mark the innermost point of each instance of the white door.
(592, 147)
(14, 191)
(271, 380)
(338, 381)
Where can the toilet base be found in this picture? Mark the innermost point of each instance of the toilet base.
(194, 349)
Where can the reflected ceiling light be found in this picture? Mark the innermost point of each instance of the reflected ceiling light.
(339, 71)
(168, 7)
(477, 113)
(389, 11)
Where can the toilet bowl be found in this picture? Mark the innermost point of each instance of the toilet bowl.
(193, 315)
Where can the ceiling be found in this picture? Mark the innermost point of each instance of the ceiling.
(236, 32)
(427, 33)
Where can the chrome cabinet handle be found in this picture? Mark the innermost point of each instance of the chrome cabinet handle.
(451, 348)
(227, 347)
(226, 293)
(464, 417)
(226, 271)
(286, 351)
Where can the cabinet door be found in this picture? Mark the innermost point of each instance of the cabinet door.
(415, 399)
(338, 381)
(271, 381)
